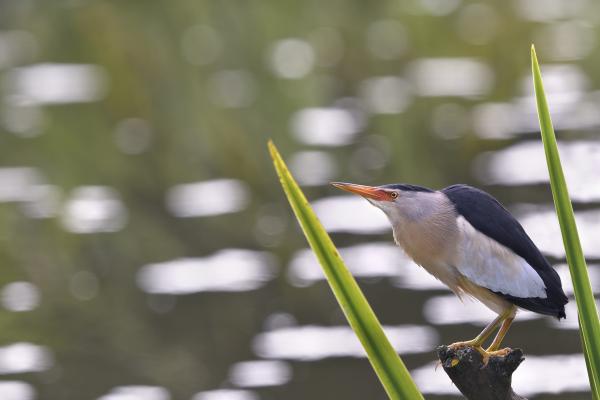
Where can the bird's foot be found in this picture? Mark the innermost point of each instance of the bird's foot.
(461, 345)
(474, 344)
(485, 354)
(499, 353)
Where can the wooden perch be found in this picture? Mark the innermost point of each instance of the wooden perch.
(476, 381)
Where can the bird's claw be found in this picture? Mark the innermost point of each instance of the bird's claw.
(499, 353)
(463, 345)
(485, 354)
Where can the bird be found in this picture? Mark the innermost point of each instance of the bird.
(469, 241)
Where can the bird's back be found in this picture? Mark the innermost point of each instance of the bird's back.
(484, 213)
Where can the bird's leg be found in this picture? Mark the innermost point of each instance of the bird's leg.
(499, 337)
(506, 319)
(479, 339)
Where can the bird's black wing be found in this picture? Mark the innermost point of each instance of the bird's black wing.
(488, 216)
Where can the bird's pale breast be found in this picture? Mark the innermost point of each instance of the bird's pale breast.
(431, 241)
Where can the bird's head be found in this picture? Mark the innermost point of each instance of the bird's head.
(400, 202)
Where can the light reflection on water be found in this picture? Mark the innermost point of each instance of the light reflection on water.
(566, 86)
(551, 374)
(446, 310)
(91, 209)
(389, 80)
(16, 390)
(229, 270)
(18, 183)
(371, 260)
(260, 373)
(21, 116)
(19, 358)
(573, 112)
(350, 214)
(20, 296)
(58, 83)
(364, 261)
(226, 394)
(207, 198)
(44, 201)
(525, 163)
(325, 126)
(494, 121)
(536, 375)
(561, 81)
(549, 11)
(439, 7)
(572, 316)
(567, 40)
(26, 185)
(137, 393)
(313, 167)
(386, 94)
(461, 77)
(567, 283)
(310, 343)
(542, 225)
(292, 58)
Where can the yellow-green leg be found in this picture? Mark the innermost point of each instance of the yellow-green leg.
(500, 335)
(482, 337)
(505, 319)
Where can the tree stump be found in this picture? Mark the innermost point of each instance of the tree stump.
(476, 381)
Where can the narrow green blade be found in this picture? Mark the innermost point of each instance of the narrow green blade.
(592, 377)
(589, 323)
(387, 364)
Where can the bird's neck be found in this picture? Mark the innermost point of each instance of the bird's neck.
(429, 234)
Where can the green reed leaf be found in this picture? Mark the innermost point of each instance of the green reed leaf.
(589, 323)
(385, 361)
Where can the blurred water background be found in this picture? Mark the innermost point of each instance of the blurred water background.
(146, 249)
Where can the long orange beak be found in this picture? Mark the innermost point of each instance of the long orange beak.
(369, 192)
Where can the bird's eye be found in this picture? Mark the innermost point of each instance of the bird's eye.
(394, 195)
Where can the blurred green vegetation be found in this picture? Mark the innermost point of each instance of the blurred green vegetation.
(115, 338)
